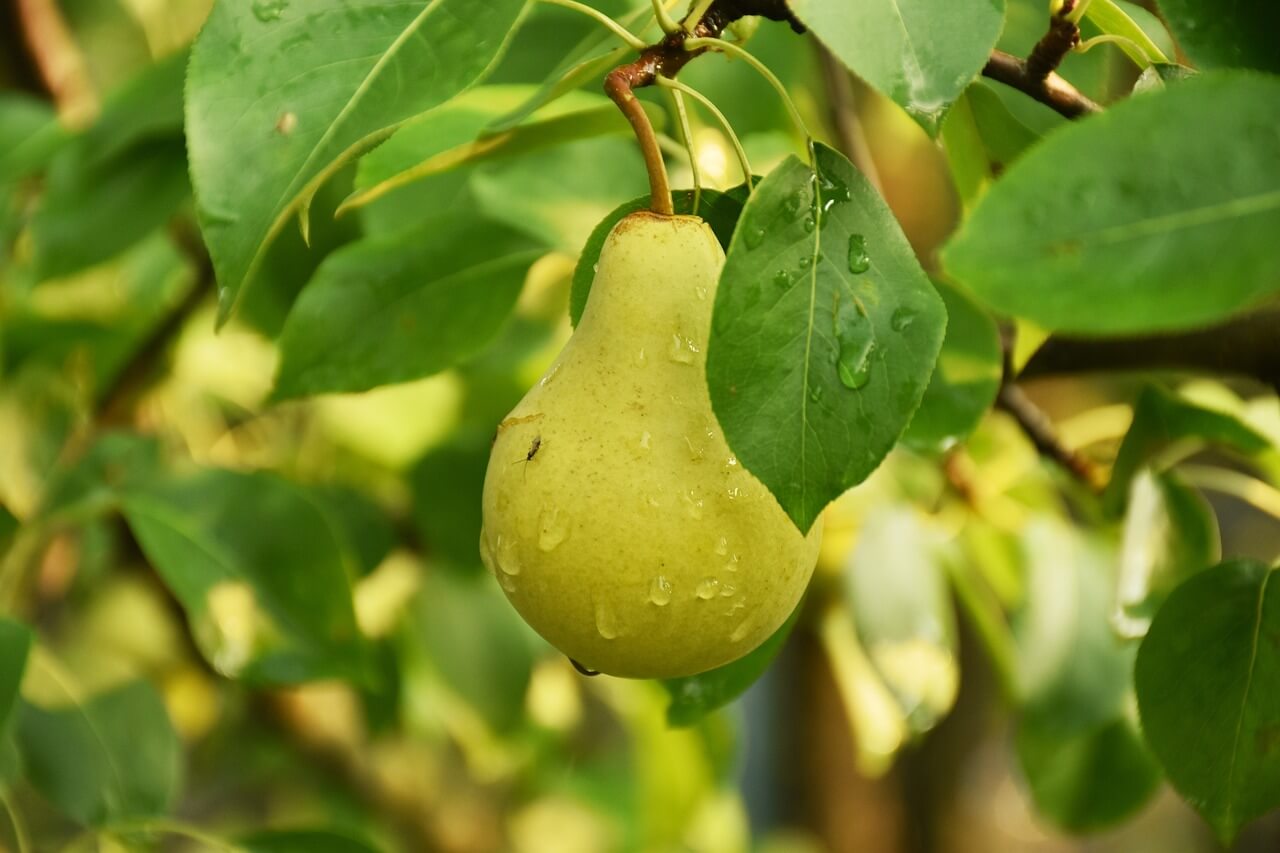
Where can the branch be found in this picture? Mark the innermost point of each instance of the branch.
(1037, 426)
(666, 58)
(1051, 90)
(1247, 346)
(844, 116)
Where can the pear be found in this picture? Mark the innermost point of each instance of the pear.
(616, 518)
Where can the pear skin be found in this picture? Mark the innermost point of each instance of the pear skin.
(616, 519)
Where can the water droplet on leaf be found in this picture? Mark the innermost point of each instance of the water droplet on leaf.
(267, 11)
(859, 261)
(753, 237)
(902, 318)
(854, 363)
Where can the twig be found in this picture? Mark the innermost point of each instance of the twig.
(1247, 346)
(1052, 90)
(666, 58)
(1037, 426)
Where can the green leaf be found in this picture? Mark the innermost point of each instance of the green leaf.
(391, 309)
(1164, 235)
(470, 638)
(1089, 781)
(695, 696)
(302, 841)
(1160, 75)
(1005, 136)
(1170, 533)
(1073, 671)
(111, 757)
(91, 214)
(455, 134)
(1226, 35)
(15, 643)
(114, 462)
(920, 53)
(557, 195)
(1162, 422)
(30, 135)
(1207, 676)
(965, 380)
(897, 589)
(720, 210)
(1117, 19)
(824, 335)
(448, 484)
(259, 566)
(279, 95)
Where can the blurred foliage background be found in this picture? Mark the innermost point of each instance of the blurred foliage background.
(889, 722)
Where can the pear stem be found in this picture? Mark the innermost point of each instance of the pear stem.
(617, 85)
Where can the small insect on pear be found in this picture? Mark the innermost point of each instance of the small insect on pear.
(533, 451)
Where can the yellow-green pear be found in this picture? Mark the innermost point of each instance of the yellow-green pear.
(616, 519)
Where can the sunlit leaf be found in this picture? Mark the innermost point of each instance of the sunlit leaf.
(1164, 236)
(280, 94)
(15, 642)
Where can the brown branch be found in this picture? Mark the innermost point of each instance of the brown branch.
(844, 116)
(1037, 426)
(1246, 347)
(665, 59)
(1052, 90)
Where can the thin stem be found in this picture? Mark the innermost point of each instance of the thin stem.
(668, 24)
(686, 131)
(1254, 492)
(164, 826)
(746, 56)
(632, 40)
(696, 14)
(1128, 46)
(1039, 429)
(618, 86)
(724, 123)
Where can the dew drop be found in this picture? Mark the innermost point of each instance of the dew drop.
(722, 546)
(854, 363)
(642, 358)
(707, 588)
(833, 189)
(486, 553)
(806, 262)
(741, 630)
(732, 565)
(693, 505)
(728, 590)
(815, 393)
(505, 554)
(781, 279)
(859, 261)
(606, 625)
(733, 461)
(734, 493)
(902, 318)
(735, 607)
(809, 224)
(553, 529)
(753, 237)
(644, 440)
(267, 11)
(660, 591)
(701, 293)
(682, 350)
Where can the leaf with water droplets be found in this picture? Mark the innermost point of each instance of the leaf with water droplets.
(812, 383)
(348, 71)
(921, 53)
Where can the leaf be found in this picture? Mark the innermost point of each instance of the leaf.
(455, 134)
(279, 95)
(1160, 75)
(897, 590)
(260, 569)
(965, 380)
(1207, 677)
(15, 643)
(1117, 19)
(391, 309)
(695, 696)
(1073, 672)
(111, 757)
(557, 195)
(1170, 533)
(114, 462)
(823, 338)
(720, 210)
(1090, 781)
(89, 215)
(302, 841)
(1005, 136)
(920, 53)
(1225, 35)
(448, 484)
(471, 638)
(1164, 421)
(30, 135)
(1163, 235)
